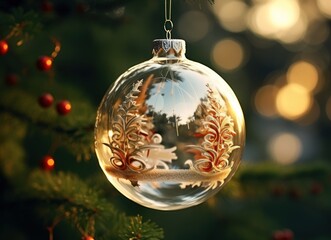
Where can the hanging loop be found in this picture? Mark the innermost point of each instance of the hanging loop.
(168, 24)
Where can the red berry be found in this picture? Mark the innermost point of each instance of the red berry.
(3, 47)
(47, 163)
(44, 63)
(46, 100)
(63, 107)
(11, 79)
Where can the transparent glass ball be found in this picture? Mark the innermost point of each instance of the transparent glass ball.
(169, 132)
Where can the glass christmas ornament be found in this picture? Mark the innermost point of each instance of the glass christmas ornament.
(169, 132)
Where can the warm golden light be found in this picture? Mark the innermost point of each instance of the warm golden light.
(232, 14)
(228, 54)
(295, 33)
(258, 21)
(304, 74)
(285, 148)
(293, 101)
(193, 26)
(278, 19)
(286, 21)
(283, 14)
(325, 7)
(265, 100)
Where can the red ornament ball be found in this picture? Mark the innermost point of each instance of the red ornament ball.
(46, 100)
(47, 163)
(3, 47)
(44, 63)
(11, 79)
(63, 107)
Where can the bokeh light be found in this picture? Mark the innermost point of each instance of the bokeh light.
(269, 17)
(285, 148)
(293, 101)
(294, 34)
(325, 7)
(278, 19)
(228, 54)
(232, 14)
(193, 26)
(304, 74)
(288, 21)
(283, 14)
(264, 100)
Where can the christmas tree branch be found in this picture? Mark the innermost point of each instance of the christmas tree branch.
(137, 229)
(62, 196)
(82, 205)
(41, 123)
(75, 130)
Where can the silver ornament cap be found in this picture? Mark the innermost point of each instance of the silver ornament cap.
(169, 48)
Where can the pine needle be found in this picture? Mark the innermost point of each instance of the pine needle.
(73, 200)
(74, 130)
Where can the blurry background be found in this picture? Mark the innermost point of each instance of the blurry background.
(275, 54)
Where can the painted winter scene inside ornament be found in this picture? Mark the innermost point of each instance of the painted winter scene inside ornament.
(169, 132)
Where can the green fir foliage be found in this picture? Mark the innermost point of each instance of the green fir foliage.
(75, 201)
(137, 229)
(52, 200)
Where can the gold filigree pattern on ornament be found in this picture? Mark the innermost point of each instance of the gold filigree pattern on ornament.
(216, 129)
(136, 148)
(133, 144)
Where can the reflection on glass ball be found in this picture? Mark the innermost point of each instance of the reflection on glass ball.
(169, 132)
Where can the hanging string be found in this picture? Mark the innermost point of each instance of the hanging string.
(168, 24)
